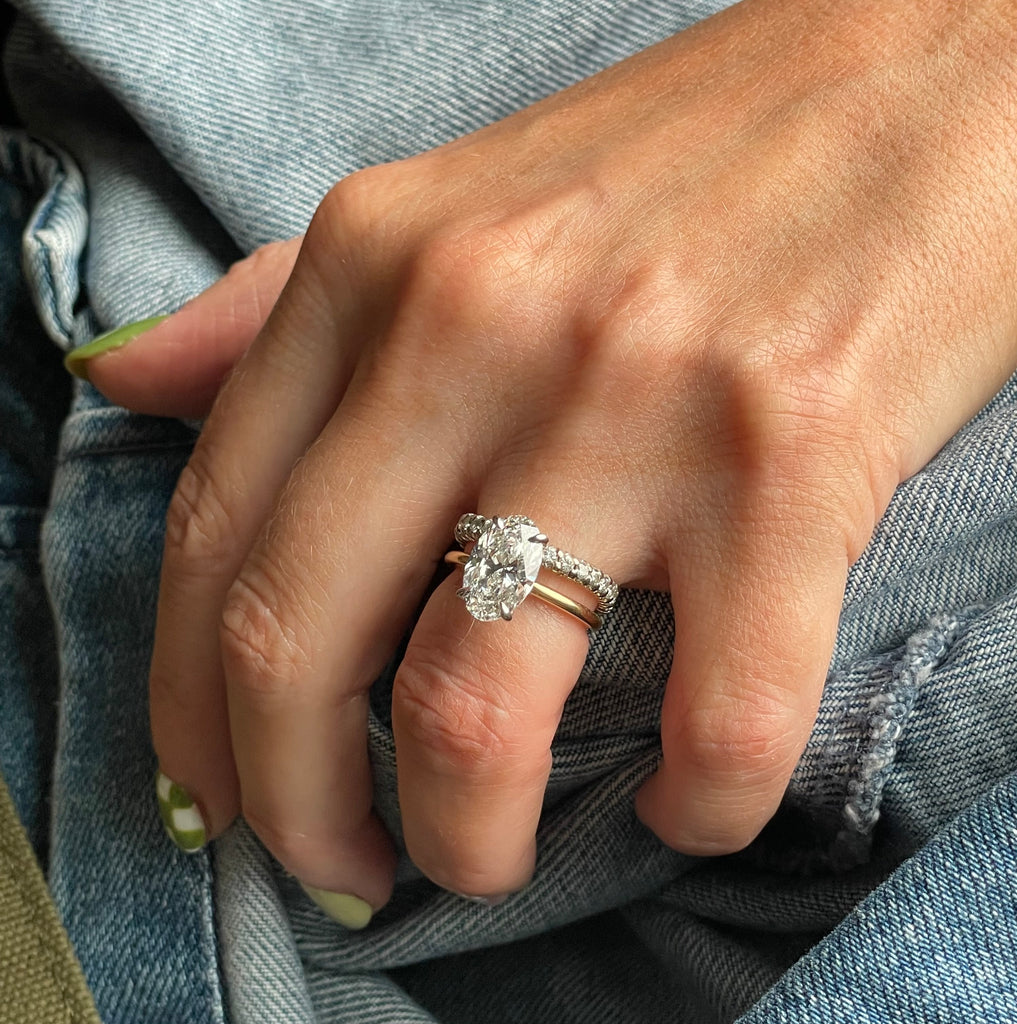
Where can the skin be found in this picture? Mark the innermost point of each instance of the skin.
(697, 316)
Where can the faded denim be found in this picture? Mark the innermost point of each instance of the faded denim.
(164, 140)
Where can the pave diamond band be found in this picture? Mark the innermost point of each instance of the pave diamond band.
(501, 570)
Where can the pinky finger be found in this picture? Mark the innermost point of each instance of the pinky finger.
(744, 689)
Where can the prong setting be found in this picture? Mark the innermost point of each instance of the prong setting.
(501, 568)
(508, 553)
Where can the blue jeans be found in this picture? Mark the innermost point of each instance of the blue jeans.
(166, 139)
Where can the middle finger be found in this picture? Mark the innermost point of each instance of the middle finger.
(313, 616)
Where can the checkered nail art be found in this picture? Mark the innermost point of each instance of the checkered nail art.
(180, 815)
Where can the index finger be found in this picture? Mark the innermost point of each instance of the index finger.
(271, 408)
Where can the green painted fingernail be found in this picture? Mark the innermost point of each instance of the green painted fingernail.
(350, 911)
(180, 815)
(77, 361)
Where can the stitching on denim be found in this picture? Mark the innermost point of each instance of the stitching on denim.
(888, 712)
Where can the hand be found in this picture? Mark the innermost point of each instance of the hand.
(696, 316)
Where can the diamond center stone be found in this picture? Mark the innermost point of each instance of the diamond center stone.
(502, 568)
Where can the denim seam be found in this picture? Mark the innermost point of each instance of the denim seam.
(887, 716)
(130, 449)
(43, 170)
(216, 974)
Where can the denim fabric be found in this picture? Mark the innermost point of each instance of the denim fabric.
(935, 943)
(103, 492)
(33, 401)
(886, 888)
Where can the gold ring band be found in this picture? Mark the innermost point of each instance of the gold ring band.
(587, 616)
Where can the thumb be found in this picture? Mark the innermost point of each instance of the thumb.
(174, 366)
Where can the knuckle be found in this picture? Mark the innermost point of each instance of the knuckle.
(460, 723)
(748, 742)
(791, 436)
(799, 383)
(261, 651)
(355, 209)
(263, 260)
(757, 440)
(477, 280)
(639, 362)
(200, 532)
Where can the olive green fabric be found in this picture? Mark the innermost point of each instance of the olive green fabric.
(40, 979)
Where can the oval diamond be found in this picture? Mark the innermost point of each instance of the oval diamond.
(502, 568)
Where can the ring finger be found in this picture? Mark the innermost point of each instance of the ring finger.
(476, 706)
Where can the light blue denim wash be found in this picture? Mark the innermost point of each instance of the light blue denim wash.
(164, 139)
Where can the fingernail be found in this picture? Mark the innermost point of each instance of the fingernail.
(180, 814)
(349, 910)
(76, 362)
